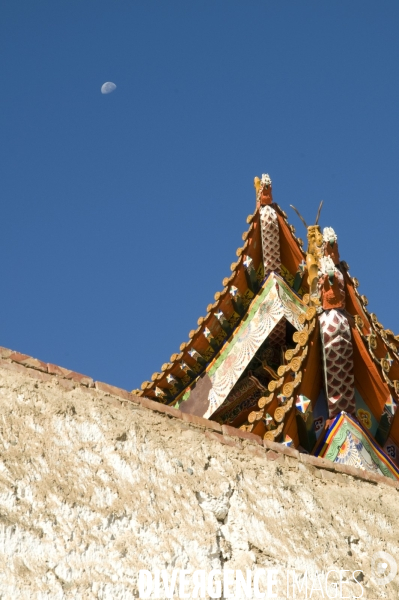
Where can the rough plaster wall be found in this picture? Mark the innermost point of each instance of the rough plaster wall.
(91, 493)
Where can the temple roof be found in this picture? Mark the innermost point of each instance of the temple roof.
(335, 354)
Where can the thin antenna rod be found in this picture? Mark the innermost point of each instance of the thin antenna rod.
(299, 215)
(318, 212)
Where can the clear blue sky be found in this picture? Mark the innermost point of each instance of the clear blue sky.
(121, 213)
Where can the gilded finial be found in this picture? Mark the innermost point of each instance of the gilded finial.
(313, 253)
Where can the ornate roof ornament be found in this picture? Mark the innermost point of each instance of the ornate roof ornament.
(391, 405)
(313, 253)
(330, 244)
(329, 235)
(326, 265)
(248, 263)
(302, 403)
(266, 179)
(194, 354)
(287, 441)
(263, 189)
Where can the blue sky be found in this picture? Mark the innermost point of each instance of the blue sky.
(121, 213)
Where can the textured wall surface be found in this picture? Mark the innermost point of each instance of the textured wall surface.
(91, 492)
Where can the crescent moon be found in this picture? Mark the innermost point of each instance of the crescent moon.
(108, 87)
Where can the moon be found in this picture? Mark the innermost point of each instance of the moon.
(108, 87)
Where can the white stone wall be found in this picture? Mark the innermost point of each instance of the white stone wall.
(90, 493)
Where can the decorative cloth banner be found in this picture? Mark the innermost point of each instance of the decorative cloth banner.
(338, 362)
(274, 302)
(270, 239)
(346, 442)
(272, 306)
